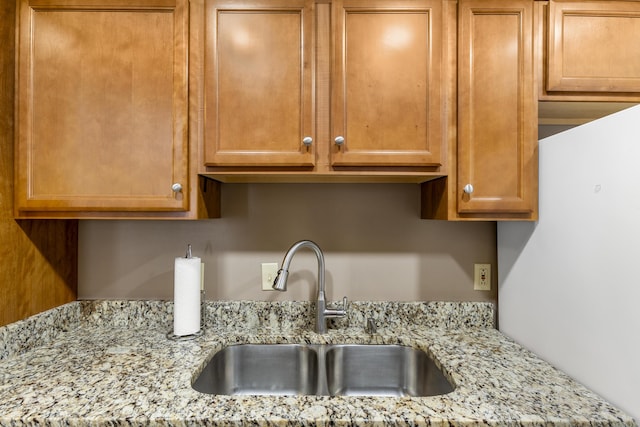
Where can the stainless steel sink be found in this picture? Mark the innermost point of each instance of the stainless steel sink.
(335, 370)
(382, 370)
(278, 369)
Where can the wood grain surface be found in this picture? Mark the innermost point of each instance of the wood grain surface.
(38, 259)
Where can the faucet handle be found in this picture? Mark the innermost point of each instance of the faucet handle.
(336, 312)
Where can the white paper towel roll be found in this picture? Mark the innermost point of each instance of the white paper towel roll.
(186, 296)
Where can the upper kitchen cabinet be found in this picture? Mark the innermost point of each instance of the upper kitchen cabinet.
(589, 50)
(259, 83)
(387, 83)
(296, 90)
(102, 111)
(496, 148)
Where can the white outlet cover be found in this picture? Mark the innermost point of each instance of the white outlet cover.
(482, 277)
(269, 273)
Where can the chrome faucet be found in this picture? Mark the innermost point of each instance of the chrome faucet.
(322, 312)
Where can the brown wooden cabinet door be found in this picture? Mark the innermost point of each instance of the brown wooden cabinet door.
(102, 106)
(258, 83)
(593, 46)
(497, 128)
(387, 103)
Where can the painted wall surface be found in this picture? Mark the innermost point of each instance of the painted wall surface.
(376, 247)
(569, 285)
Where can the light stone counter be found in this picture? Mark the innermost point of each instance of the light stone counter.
(110, 363)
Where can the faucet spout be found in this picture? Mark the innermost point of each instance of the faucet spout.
(280, 284)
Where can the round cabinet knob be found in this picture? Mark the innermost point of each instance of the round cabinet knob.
(307, 141)
(468, 189)
(177, 187)
(339, 140)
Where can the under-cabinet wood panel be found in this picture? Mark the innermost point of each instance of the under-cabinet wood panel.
(102, 108)
(38, 259)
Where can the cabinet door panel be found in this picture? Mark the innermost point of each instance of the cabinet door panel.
(258, 75)
(103, 107)
(387, 100)
(593, 46)
(496, 115)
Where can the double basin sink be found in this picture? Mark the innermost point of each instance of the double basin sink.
(322, 370)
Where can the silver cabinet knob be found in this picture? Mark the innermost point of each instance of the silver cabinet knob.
(468, 189)
(339, 140)
(177, 187)
(307, 141)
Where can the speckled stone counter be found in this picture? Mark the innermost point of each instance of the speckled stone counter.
(110, 363)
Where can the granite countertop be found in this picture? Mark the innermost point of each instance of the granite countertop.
(110, 363)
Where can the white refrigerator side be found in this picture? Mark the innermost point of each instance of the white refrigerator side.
(569, 285)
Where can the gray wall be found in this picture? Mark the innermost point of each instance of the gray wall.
(376, 247)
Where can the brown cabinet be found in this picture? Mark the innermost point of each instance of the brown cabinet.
(497, 127)
(387, 95)
(259, 83)
(591, 50)
(348, 88)
(434, 91)
(102, 109)
(496, 150)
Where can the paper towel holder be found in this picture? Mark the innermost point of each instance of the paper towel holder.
(174, 337)
(171, 335)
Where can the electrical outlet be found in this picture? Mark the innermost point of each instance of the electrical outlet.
(269, 273)
(482, 277)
